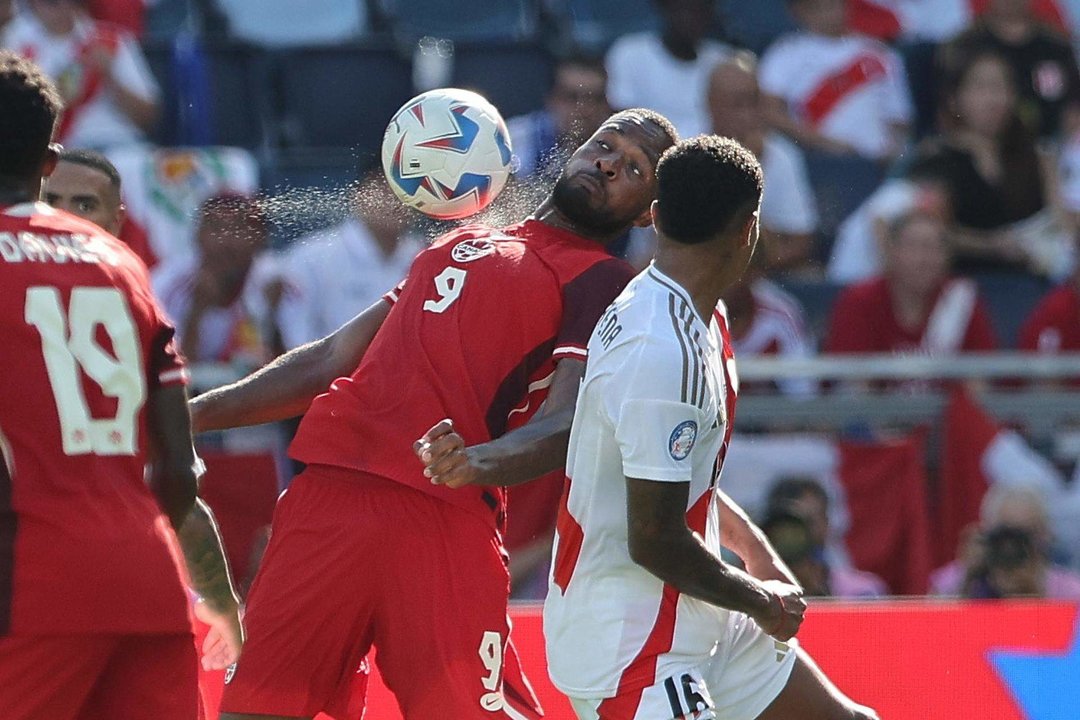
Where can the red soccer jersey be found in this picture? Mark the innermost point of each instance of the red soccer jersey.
(84, 547)
(864, 321)
(1054, 324)
(474, 336)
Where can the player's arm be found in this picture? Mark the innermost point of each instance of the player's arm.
(172, 475)
(661, 542)
(286, 387)
(739, 533)
(534, 449)
(219, 605)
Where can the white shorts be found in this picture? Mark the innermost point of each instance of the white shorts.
(745, 675)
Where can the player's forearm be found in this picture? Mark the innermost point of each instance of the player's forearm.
(280, 390)
(746, 539)
(682, 561)
(533, 450)
(205, 559)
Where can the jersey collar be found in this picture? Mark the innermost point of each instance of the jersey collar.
(654, 273)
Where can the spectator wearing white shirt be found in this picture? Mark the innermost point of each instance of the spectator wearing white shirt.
(110, 97)
(835, 91)
(331, 275)
(789, 216)
(668, 72)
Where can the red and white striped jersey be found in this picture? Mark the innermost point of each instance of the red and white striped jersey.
(656, 403)
(849, 88)
(778, 329)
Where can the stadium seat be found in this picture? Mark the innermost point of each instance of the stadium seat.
(755, 25)
(513, 76)
(341, 97)
(1010, 298)
(841, 183)
(475, 20)
(214, 94)
(594, 24)
(817, 300)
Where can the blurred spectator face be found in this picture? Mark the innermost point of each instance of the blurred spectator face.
(231, 230)
(86, 192)
(735, 102)
(1025, 513)
(688, 20)
(825, 17)
(1014, 566)
(985, 98)
(578, 101)
(58, 16)
(916, 255)
(790, 536)
(1010, 8)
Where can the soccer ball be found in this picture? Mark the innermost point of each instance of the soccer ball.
(447, 153)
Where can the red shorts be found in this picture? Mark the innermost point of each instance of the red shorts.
(86, 677)
(355, 561)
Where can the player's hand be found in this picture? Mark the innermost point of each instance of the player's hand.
(221, 648)
(446, 459)
(785, 613)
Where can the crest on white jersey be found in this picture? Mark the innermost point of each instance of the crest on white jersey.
(682, 439)
(469, 250)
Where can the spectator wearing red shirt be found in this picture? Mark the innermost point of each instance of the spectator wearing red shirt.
(1054, 325)
(914, 307)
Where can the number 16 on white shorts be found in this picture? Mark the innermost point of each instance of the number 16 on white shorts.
(682, 696)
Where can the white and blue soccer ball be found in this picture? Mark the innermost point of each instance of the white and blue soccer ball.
(447, 153)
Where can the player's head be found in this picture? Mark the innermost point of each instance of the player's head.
(29, 106)
(709, 191)
(86, 184)
(735, 99)
(609, 182)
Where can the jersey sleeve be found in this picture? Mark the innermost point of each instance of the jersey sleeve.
(391, 296)
(654, 427)
(585, 298)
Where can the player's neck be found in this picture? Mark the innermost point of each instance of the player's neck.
(13, 192)
(549, 214)
(696, 270)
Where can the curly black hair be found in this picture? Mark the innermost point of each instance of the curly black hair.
(706, 186)
(30, 105)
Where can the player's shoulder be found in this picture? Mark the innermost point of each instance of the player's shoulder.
(648, 317)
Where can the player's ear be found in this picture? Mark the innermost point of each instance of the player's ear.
(52, 157)
(648, 217)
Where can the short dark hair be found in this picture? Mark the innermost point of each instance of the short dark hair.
(95, 161)
(30, 105)
(705, 185)
(638, 114)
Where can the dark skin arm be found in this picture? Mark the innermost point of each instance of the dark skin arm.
(209, 571)
(661, 542)
(286, 387)
(172, 476)
(535, 449)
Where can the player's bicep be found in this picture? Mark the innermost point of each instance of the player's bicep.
(349, 342)
(563, 393)
(655, 511)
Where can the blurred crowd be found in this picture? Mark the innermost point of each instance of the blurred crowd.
(916, 153)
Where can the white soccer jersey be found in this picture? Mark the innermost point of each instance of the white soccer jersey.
(849, 88)
(656, 403)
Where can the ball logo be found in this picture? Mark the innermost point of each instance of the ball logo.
(682, 439)
(469, 250)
